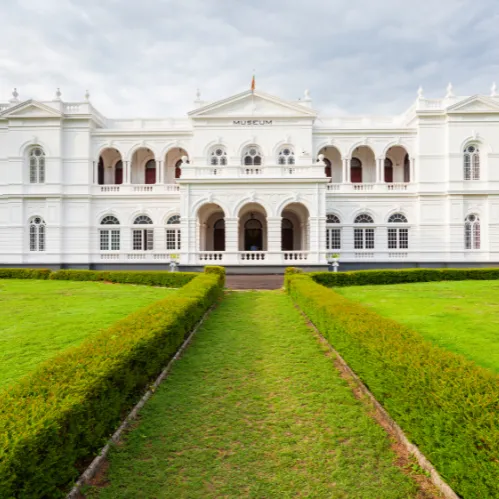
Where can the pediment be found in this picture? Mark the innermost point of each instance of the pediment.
(31, 109)
(253, 105)
(475, 104)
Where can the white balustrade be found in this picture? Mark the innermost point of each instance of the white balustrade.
(253, 256)
(109, 256)
(295, 255)
(171, 187)
(333, 187)
(363, 187)
(397, 186)
(364, 256)
(110, 188)
(398, 255)
(251, 171)
(143, 188)
(210, 256)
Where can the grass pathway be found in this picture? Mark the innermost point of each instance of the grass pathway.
(255, 409)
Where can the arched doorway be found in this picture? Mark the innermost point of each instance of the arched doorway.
(287, 235)
(109, 167)
(253, 235)
(332, 160)
(219, 235)
(295, 227)
(398, 159)
(252, 228)
(363, 165)
(143, 166)
(211, 228)
(174, 160)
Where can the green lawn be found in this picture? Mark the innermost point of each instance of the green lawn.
(255, 408)
(461, 316)
(40, 318)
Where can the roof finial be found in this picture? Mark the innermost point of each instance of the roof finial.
(253, 82)
(307, 95)
(420, 92)
(15, 96)
(198, 94)
(87, 95)
(58, 94)
(493, 90)
(450, 91)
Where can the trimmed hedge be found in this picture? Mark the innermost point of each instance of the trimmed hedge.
(220, 271)
(373, 277)
(146, 278)
(447, 405)
(25, 273)
(61, 414)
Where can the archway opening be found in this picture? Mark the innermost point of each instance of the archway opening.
(109, 167)
(363, 165)
(143, 169)
(174, 159)
(211, 224)
(397, 165)
(252, 228)
(332, 160)
(295, 228)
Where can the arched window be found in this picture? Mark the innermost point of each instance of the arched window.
(218, 156)
(143, 239)
(333, 232)
(471, 163)
(286, 156)
(398, 237)
(118, 172)
(363, 238)
(37, 234)
(355, 170)
(173, 233)
(472, 232)
(37, 166)
(252, 156)
(109, 237)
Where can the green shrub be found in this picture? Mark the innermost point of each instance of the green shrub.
(447, 405)
(220, 271)
(25, 273)
(53, 420)
(373, 277)
(146, 278)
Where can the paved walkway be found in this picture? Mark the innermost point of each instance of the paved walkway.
(254, 409)
(251, 281)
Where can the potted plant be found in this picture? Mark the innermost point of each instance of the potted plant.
(173, 262)
(332, 259)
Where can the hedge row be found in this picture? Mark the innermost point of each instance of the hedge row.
(373, 277)
(25, 273)
(56, 418)
(146, 278)
(447, 405)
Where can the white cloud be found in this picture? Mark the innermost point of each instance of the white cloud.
(147, 58)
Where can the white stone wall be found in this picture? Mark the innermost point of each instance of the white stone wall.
(436, 200)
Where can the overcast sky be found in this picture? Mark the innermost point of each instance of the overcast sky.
(147, 57)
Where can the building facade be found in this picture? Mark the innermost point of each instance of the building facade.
(250, 181)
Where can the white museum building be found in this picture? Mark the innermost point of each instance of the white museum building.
(252, 182)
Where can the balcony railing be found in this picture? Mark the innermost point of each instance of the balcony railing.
(136, 188)
(371, 187)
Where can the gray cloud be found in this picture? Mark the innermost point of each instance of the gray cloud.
(147, 58)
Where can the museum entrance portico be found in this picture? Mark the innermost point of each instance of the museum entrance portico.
(254, 236)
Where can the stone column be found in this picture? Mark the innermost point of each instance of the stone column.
(412, 170)
(379, 170)
(231, 240)
(346, 171)
(128, 172)
(274, 246)
(159, 172)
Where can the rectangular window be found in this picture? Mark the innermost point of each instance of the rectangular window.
(32, 172)
(476, 167)
(137, 240)
(467, 237)
(104, 240)
(369, 238)
(398, 238)
(41, 170)
(32, 238)
(143, 239)
(467, 167)
(115, 240)
(358, 238)
(172, 239)
(333, 239)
